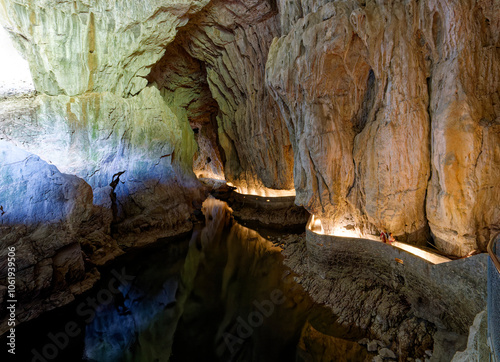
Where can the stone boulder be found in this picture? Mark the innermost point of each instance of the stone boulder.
(46, 216)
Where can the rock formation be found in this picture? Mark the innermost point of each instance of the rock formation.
(232, 39)
(95, 116)
(393, 113)
(48, 217)
(387, 115)
(379, 115)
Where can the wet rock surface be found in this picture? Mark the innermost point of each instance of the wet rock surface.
(368, 296)
(276, 212)
(99, 137)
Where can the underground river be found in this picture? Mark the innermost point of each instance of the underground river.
(220, 294)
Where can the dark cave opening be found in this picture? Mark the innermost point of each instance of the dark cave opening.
(182, 80)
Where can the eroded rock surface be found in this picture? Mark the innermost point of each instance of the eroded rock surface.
(408, 309)
(47, 217)
(128, 157)
(393, 114)
(232, 40)
(96, 46)
(381, 115)
(98, 135)
(183, 84)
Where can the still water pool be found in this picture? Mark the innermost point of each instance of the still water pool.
(222, 294)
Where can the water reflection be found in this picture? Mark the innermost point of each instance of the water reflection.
(228, 297)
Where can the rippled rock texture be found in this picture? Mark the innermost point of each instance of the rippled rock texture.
(393, 112)
(94, 46)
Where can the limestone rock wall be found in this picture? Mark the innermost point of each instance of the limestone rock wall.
(49, 218)
(381, 115)
(94, 46)
(97, 135)
(393, 113)
(232, 40)
(463, 202)
(184, 86)
(95, 116)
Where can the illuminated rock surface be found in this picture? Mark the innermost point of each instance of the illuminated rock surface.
(409, 305)
(387, 113)
(393, 111)
(231, 40)
(378, 115)
(81, 46)
(96, 136)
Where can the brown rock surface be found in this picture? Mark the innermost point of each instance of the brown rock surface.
(382, 115)
(183, 83)
(464, 191)
(232, 40)
(407, 307)
(393, 115)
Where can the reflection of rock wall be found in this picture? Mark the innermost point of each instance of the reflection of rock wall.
(393, 113)
(198, 297)
(390, 110)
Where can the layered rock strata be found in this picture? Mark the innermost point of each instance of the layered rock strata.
(381, 115)
(97, 136)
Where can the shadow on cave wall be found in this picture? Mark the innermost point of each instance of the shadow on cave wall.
(182, 81)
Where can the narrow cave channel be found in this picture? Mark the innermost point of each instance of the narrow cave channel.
(249, 181)
(223, 289)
